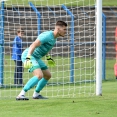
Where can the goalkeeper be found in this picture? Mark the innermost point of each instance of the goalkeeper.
(31, 57)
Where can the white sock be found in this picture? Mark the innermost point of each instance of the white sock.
(35, 94)
(22, 92)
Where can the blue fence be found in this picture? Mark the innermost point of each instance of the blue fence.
(72, 44)
(2, 44)
(39, 17)
(103, 46)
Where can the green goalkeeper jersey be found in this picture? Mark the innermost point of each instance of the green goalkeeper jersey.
(47, 43)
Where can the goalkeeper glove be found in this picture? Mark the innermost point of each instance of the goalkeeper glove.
(51, 62)
(28, 63)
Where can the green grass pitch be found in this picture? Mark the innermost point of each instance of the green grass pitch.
(91, 106)
(95, 106)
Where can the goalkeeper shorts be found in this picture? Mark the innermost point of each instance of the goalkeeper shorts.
(36, 63)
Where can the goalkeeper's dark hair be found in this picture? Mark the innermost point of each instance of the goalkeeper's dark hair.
(61, 23)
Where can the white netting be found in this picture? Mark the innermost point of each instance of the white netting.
(74, 54)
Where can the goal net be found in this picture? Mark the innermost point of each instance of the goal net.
(74, 54)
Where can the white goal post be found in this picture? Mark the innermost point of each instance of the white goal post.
(99, 47)
(78, 55)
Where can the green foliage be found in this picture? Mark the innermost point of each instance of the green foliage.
(109, 3)
(52, 2)
(58, 2)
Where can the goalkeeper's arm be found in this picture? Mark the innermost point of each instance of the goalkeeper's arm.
(32, 47)
(28, 63)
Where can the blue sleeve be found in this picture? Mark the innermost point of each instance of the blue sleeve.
(16, 40)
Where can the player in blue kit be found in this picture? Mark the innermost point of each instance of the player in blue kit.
(31, 57)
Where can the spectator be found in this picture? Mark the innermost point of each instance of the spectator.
(16, 56)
